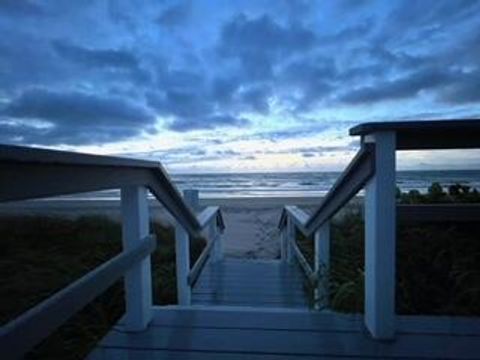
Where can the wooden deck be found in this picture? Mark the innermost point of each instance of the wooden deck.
(256, 283)
(235, 333)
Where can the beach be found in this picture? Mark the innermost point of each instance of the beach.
(251, 223)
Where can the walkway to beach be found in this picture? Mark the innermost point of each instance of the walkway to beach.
(259, 283)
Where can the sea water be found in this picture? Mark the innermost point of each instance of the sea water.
(300, 184)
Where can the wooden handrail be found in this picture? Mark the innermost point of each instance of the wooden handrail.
(208, 215)
(205, 217)
(62, 173)
(27, 330)
(309, 273)
(355, 176)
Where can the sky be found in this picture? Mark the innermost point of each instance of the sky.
(235, 86)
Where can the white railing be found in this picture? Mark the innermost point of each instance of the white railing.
(28, 173)
(374, 168)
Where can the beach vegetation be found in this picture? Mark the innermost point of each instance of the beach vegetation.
(42, 254)
(436, 263)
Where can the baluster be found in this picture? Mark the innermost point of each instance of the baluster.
(290, 237)
(182, 250)
(380, 240)
(322, 265)
(138, 280)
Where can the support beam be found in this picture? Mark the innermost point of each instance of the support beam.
(322, 265)
(380, 231)
(138, 280)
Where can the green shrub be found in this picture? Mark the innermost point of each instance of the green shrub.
(41, 255)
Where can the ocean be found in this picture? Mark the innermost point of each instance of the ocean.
(306, 184)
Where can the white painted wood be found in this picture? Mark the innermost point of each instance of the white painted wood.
(283, 244)
(182, 251)
(214, 236)
(380, 230)
(218, 250)
(322, 265)
(290, 236)
(138, 280)
(192, 199)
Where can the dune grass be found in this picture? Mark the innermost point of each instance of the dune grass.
(437, 263)
(41, 255)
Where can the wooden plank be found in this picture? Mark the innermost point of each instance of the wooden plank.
(355, 176)
(19, 335)
(208, 214)
(286, 342)
(200, 263)
(432, 134)
(21, 181)
(12, 153)
(131, 354)
(138, 279)
(438, 212)
(380, 240)
(298, 216)
(61, 173)
(311, 321)
(250, 283)
(307, 269)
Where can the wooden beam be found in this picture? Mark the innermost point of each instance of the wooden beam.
(322, 266)
(138, 279)
(200, 263)
(358, 172)
(380, 233)
(21, 181)
(431, 134)
(24, 332)
(307, 269)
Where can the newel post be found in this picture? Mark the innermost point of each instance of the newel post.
(322, 265)
(182, 251)
(380, 233)
(138, 280)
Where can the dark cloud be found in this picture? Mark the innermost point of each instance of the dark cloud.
(259, 42)
(405, 87)
(465, 90)
(256, 98)
(180, 103)
(20, 7)
(96, 57)
(175, 15)
(72, 117)
(243, 37)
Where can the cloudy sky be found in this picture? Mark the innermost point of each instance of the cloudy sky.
(234, 85)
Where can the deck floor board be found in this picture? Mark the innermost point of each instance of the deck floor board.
(264, 283)
(181, 333)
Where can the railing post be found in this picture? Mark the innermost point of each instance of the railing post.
(283, 243)
(322, 265)
(138, 280)
(290, 236)
(380, 231)
(182, 251)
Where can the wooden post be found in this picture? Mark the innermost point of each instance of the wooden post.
(290, 237)
(138, 280)
(283, 244)
(380, 228)
(182, 251)
(322, 265)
